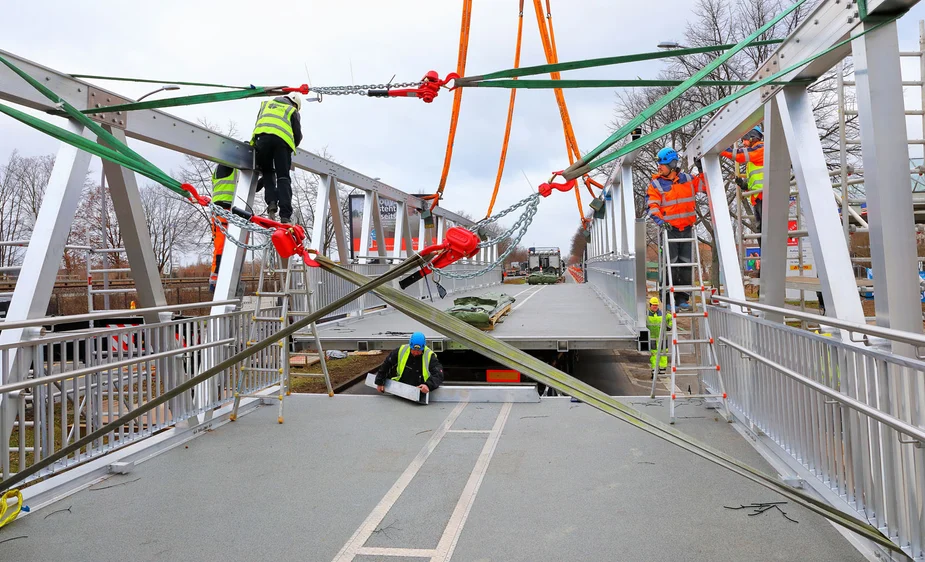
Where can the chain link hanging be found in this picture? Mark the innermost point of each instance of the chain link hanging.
(361, 90)
(521, 226)
(242, 223)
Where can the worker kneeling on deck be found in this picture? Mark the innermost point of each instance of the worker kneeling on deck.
(413, 363)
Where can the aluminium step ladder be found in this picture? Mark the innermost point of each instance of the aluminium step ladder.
(292, 300)
(693, 351)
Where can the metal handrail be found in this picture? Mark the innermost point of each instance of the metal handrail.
(917, 340)
(886, 419)
(21, 385)
(12, 324)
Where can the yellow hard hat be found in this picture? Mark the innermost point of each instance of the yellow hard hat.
(655, 301)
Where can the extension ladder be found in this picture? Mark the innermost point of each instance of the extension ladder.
(293, 299)
(698, 341)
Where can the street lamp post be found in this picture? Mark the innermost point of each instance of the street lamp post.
(161, 89)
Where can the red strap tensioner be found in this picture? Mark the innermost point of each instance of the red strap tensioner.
(303, 89)
(546, 189)
(427, 91)
(288, 239)
(458, 243)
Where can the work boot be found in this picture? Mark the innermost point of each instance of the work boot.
(285, 220)
(685, 306)
(272, 209)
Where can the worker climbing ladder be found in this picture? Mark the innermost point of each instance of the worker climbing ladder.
(274, 309)
(692, 351)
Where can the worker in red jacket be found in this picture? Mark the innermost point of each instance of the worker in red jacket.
(671, 205)
(752, 155)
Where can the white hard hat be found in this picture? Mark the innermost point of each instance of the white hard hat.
(296, 99)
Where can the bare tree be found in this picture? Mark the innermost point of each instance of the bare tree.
(172, 222)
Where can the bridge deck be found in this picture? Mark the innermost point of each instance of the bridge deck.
(562, 482)
(541, 316)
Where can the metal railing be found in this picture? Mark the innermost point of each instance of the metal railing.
(844, 413)
(614, 279)
(72, 383)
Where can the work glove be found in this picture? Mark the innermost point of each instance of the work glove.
(741, 183)
(699, 165)
(658, 221)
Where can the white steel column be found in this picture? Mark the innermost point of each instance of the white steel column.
(337, 220)
(611, 222)
(830, 250)
(377, 226)
(776, 208)
(365, 229)
(881, 113)
(397, 238)
(722, 229)
(884, 147)
(126, 201)
(629, 210)
(322, 207)
(43, 257)
(615, 208)
(229, 274)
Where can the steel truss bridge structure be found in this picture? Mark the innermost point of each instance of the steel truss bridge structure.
(839, 416)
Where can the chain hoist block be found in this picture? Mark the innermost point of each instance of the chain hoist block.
(597, 204)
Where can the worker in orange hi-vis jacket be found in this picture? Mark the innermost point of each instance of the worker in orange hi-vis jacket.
(671, 206)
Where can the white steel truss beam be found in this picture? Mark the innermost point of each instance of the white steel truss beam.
(776, 210)
(723, 235)
(162, 129)
(830, 249)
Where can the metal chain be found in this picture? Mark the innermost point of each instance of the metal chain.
(362, 89)
(523, 224)
(243, 224)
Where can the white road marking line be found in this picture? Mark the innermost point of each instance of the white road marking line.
(469, 431)
(408, 552)
(522, 292)
(362, 534)
(450, 537)
(523, 302)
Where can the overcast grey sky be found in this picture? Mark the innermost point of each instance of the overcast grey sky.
(400, 140)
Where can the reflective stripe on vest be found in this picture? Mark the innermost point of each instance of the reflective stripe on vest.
(404, 352)
(223, 188)
(274, 119)
(676, 209)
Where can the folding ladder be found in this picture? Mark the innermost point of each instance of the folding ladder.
(697, 342)
(273, 310)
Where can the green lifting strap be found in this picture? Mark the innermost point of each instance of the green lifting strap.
(177, 82)
(195, 99)
(72, 112)
(96, 149)
(637, 83)
(605, 61)
(581, 166)
(655, 135)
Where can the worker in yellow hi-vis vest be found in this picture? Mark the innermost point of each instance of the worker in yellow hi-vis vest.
(413, 363)
(277, 133)
(654, 324)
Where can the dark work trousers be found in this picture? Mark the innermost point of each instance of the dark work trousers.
(757, 208)
(680, 253)
(274, 157)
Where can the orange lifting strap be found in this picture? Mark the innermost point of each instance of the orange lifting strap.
(510, 113)
(547, 35)
(457, 100)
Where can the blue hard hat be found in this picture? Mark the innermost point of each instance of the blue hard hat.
(667, 155)
(755, 133)
(417, 341)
